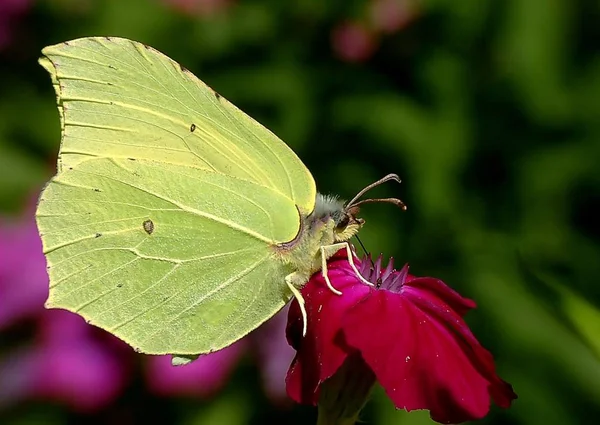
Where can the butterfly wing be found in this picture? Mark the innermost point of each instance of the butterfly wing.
(122, 99)
(160, 223)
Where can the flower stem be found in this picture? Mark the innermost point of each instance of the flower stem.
(345, 394)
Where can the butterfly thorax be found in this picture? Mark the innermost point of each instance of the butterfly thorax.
(329, 223)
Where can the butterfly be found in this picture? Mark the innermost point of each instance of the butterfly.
(175, 221)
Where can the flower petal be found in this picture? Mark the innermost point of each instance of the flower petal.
(431, 287)
(321, 352)
(501, 391)
(421, 361)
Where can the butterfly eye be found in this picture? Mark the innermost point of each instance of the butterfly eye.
(343, 222)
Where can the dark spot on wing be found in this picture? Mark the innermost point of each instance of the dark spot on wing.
(183, 68)
(148, 226)
(112, 66)
(119, 285)
(218, 96)
(131, 159)
(97, 235)
(192, 127)
(97, 190)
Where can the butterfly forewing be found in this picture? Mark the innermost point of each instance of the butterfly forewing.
(160, 224)
(122, 99)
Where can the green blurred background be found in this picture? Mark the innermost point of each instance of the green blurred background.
(488, 110)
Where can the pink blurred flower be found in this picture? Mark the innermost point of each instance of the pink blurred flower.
(201, 378)
(406, 332)
(73, 363)
(23, 278)
(209, 373)
(357, 41)
(10, 12)
(353, 42)
(273, 354)
(389, 16)
(68, 361)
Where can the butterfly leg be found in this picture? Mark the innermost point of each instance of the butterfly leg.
(327, 251)
(294, 281)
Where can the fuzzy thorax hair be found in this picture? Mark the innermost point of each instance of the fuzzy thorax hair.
(331, 207)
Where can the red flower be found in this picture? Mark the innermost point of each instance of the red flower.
(405, 331)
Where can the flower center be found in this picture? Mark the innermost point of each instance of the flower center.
(386, 278)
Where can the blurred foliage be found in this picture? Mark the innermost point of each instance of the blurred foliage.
(489, 111)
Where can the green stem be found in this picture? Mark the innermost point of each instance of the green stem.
(345, 394)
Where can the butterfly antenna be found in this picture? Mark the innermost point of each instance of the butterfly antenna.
(353, 202)
(394, 201)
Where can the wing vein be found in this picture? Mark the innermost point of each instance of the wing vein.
(108, 273)
(217, 136)
(190, 210)
(232, 279)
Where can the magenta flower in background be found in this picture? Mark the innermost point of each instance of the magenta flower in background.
(274, 355)
(68, 361)
(23, 278)
(207, 375)
(353, 42)
(358, 40)
(200, 378)
(406, 332)
(10, 12)
(389, 16)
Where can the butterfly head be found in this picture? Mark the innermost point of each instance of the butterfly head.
(344, 214)
(346, 224)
